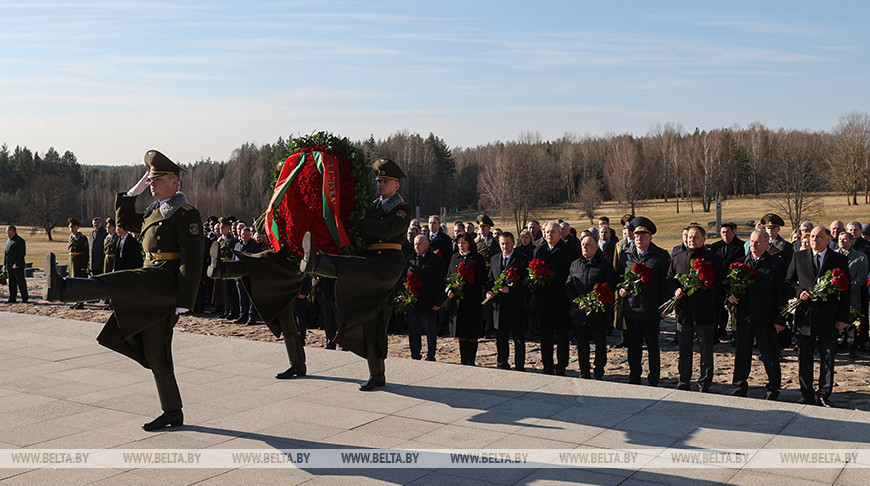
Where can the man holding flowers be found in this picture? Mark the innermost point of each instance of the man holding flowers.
(693, 278)
(820, 279)
(508, 298)
(643, 268)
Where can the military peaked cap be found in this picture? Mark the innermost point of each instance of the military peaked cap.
(642, 224)
(387, 170)
(224, 221)
(72, 222)
(484, 219)
(771, 219)
(626, 219)
(159, 165)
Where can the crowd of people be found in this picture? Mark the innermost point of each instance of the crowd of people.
(483, 282)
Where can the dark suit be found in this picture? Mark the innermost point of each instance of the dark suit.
(509, 311)
(729, 253)
(129, 253)
(246, 306)
(695, 316)
(582, 278)
(757, 312)
(442, 246)
(98, 239)
(641, 312)
(421, 318)
(815, 322)
(552, 305)
(15, 251)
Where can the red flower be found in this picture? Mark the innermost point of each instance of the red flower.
(840, 280)
(540, 268)
(513, 275)
(644, 271)
(465, 271)
(705, 271)
(438, 252)
(413, 283)
(603, 293)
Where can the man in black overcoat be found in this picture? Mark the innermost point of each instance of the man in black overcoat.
(509, 305)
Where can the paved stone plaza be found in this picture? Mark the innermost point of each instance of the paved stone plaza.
(59, 389)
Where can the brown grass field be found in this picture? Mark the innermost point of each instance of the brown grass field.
(669, 223)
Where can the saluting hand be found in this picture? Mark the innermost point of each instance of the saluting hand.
(140, 186)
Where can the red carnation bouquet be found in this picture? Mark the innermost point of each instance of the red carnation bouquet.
(830, 283)
(539, 277)
(700, 277)
(410, 292)
(507, 278)
(456, 282)
(740, 277)
(594, 301)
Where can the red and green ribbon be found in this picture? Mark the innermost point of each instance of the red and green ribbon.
(327, 165)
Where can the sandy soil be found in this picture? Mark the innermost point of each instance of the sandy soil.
(852, 383)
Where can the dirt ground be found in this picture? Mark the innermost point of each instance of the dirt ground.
(852, 381)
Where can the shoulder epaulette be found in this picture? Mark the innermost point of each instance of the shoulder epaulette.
(187, 207)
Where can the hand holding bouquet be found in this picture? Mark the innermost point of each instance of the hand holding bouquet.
(700, 277)
(456, 282)
(831, 282)
(539, 277)
(410, 293)
(594, 301)
(507, 278)
(739, 279)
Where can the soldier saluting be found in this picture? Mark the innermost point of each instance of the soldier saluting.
(147, 301)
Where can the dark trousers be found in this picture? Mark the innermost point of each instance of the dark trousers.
(554, 334)
(157, 347)
(505, 333)
(246, 306)
(17, 283)
(806, 364)
(706, 334)
(419, 323)
(637, 333)
(294, 341)
(769, 351)
(330, 318)
(598, 335)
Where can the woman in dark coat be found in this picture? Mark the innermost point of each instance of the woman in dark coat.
(526, 246)
(466, 314)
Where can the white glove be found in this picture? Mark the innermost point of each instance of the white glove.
(140, 186)
(180, 310)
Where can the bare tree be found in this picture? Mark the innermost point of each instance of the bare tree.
(625, 173)
(798, 165)
(850, 155)
(589, 198)
(506, 184)
(47, 202)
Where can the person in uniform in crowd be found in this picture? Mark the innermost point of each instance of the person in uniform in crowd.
(98, 236)
(817, 321)
(778, 246)
(466, 314)
(129, 250)
(627, 237)
(591, 269)
(758, 317)
(641, 311)
(835, 228)
(364, 284)
(730, 250)
(509, 305)
(147, 301)
(78, 254)
(423, 314)
(694, 313)
(14, 264)
(225, 292)
(552, 303)
(804, 229)
(110, 246)
(487, 246)
(858, 272)
(247, 312)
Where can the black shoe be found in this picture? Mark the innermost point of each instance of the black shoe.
(807, 401)
(78, 306)
(167, 419)
(560, 371)
(232, 317)
(771, 395)
(504, 366)
(549, 371)
(12, 302)
(521, 369)
(585, 376)
(292, 371)
(242, 320)
(740, 392)
(252, 322)
(684, 386)
(823, 401)
(331, 346)
(373, 382)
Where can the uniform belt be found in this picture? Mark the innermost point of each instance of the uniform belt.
(76, 253)
(385, 246)
(226, 259)
(162, 256)
(110, 255)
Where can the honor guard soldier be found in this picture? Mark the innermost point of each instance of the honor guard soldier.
(78, 254)
(487, 244)
(778, 246)
(364, 284)
(147, 301)
(110, 246)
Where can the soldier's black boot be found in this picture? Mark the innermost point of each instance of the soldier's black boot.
(311, 262)
(59, 289)
(170, 402)
(377, 378)
(53, 290)
(219, 269)
(293, 370)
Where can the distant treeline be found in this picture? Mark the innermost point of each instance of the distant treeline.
(508, 178)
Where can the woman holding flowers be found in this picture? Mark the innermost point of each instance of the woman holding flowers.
(693, 278)
(590, 284)
(465, 277)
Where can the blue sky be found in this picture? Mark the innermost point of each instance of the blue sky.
(194, 79)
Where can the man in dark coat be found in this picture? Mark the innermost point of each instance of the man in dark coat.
(439, 241)
(98, 237)
(78, 254)
(641, 311)
(365, 284)
(13, 264)
(147, 301)
(129, 250)
(552, 304)
(730, 249)
(817, 321)
(509, 304)
(245, 244)
(758, 317)
(423, 315)
(695, 314)
(591, 269)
